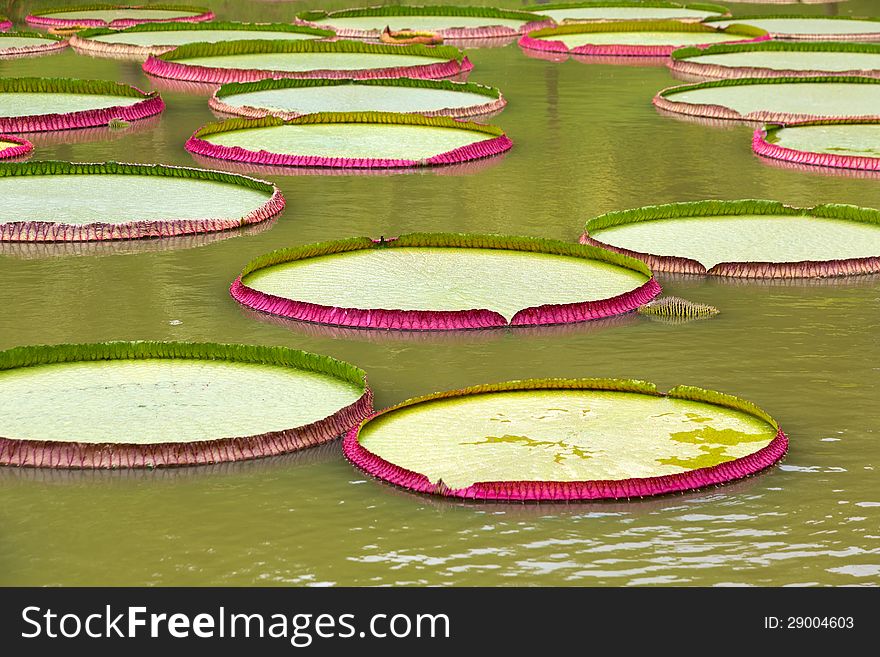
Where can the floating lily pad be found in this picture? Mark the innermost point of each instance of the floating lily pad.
(155, 404)
(565, 439)
(290, 98)
(40, 104)
(355, 140)
(157, 38)
(621, 10)
(633, 38)
(12, 146)
(775, 99)
(811, 28)
(247, 61)
(841, 144)
(28, 44)
(778, 59)
(444, 282)
(65, 201)
(745, 239)
(445, 21)
(110, 15)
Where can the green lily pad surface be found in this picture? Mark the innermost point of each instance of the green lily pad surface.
(856, 140)
(163, 400)
(560, 435)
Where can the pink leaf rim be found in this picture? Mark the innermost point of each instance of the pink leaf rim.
(47, 231)
(494, 143)
(22, 147)
(85, 41)
(149, 105)
(429, 320)
(51, 45)
(755, 270)
(663, 100)
(452, 62)
(77, 455)
(529, 20)
(765, 148)
(199, 15)
(495, 99)
(681, 62)
(808, 36)
(541, 40)
(567, 491)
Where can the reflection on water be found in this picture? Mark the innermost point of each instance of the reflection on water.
(588, 141)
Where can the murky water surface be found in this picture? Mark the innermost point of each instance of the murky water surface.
(587, 141)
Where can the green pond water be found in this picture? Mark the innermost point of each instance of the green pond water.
(820, 99)
(310, 61)
(445, 279)
(180, 37)
(856, 140)
(116, 14)
(588, 141)
(796, 61)
(711, 240)
(423, 23)
(351, 140)
(155, 401)
(816, 25)
(561, 435)
(82, 199)
(642, 38)
(625, 13)
(357, 98)
(28, 103)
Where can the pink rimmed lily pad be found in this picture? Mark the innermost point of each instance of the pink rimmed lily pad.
(29, 44)
(46, 104)
(628, 10)
(111, 201)
(349, 140)
(248, 61)
(838, 144)
(749, 239)
(166, 404)
(12, 146)
(447, 22)
(770, 59)
(634, 38)
(565, 440)
(117, 16)
(439, 282)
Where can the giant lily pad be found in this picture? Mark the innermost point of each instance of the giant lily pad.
(444, 282)
(564, 439)
(148, 39)
(445, 21)
(745, 239)
(364, 140)
(247, 61)
(778, 59)
(118, 16)
(154, 404)
(623, 10)
(12, 146)
(840, 144)
(64, 201)
(290, 98)
(41, 104)
(633, 38)
(775, 99)
(811, 28)
(28, 44)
